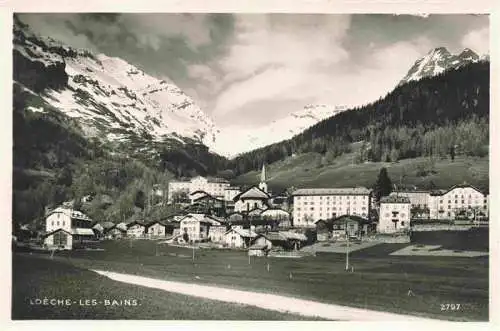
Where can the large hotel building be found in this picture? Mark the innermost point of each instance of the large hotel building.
(216, 187)
(311, 205)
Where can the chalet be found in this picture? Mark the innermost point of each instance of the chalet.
(239, 238)
(286, 240)
(67, 228)
(351, 225)
(136, 229)
(196, 226)
(277, 214)
(115, 232)
(156, 229)
(216, 233)
(260, 247)
(204, 203)
(98, 230)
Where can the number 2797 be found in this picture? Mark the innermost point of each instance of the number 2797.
(450, 306)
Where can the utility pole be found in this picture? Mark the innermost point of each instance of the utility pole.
(347, 251)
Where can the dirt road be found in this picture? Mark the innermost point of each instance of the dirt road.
(262, 300)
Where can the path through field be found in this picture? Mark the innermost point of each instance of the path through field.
(262, 300)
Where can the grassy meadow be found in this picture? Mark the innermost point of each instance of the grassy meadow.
(304, 170)
(379, 282)
(41, 278)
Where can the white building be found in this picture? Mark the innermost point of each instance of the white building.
(239, 238)
(216, 233)
(65, 227)
(156, 229)
(136, 229)
(311, 205)
(251, 199)
(459, 198)
(394, 214)
(214, 186)
(197, 226)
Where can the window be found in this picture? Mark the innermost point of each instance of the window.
(402, 222)
(440, 201)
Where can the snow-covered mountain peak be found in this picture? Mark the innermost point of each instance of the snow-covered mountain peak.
(237, 140)
(436, 61)
(112, 98)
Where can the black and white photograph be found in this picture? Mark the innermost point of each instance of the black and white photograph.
(250, 166)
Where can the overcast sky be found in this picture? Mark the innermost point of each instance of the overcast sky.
(252, 68)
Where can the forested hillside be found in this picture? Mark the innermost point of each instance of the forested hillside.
(443, 115)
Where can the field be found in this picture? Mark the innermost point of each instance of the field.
(42, 278)
(300, 171)
(380, 281)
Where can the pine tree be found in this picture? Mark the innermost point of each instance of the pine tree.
(383, 186)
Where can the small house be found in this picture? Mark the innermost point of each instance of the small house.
(239, 238)
(136, 229)
(156, 229)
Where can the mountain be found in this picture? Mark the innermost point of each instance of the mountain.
(437, 61)
(235, 140)
(438, 117)
(111, 99)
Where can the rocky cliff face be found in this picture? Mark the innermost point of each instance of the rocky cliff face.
(112, 99)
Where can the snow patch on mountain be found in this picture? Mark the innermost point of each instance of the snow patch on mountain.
(236, 139)
(437, 61)
(111, 98)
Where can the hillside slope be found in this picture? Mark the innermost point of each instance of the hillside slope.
(434, 117)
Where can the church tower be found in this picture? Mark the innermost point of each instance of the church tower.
(263, 184)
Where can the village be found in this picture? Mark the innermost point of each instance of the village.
(219, 216)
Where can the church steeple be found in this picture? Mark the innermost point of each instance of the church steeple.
(263, 179)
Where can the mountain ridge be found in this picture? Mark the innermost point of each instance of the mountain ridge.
(113, 100)
(437, 61)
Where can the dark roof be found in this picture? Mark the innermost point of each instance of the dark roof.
(333, 191)
(264, 195)
(134, 223)
(394, 199)
(52, 232)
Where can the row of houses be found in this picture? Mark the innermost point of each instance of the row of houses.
(309, 205)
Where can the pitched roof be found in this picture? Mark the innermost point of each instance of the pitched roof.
(252, 193)
(245, 233)
(82, 232)
(107, 225)
(443, 192)
(293, 235)
(57, 230)
(355, 218)
(153, 223)
(274, 236)
(135, 223)
(75, 214)
(333, 191)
